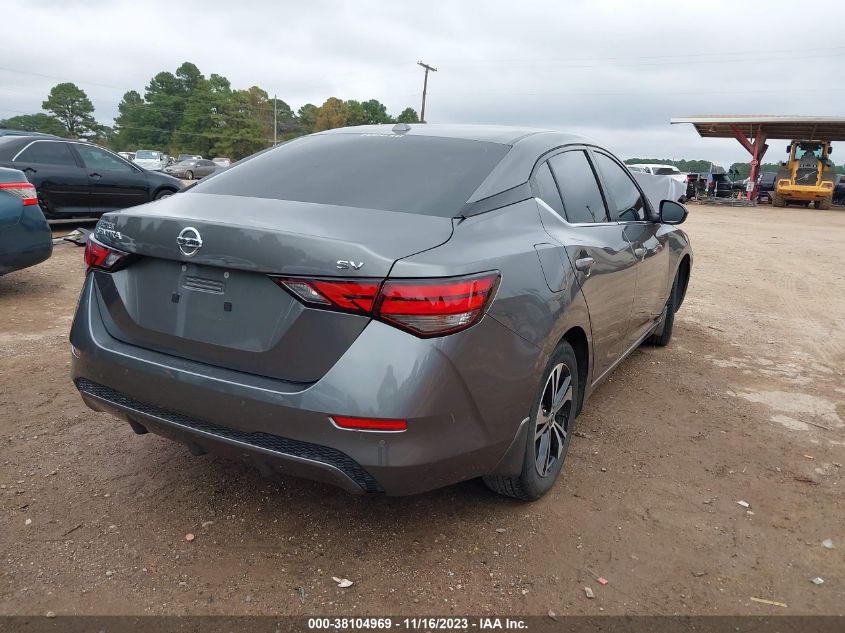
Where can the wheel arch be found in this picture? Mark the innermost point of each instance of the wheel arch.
(164, 187)
(577, 339)
(684, 271)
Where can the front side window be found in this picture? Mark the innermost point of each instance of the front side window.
(582, 197)
(95, 158)
(47, 153)
(626, 203)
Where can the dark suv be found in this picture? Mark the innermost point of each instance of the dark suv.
(766, 185)
(80, 178)
(839, 189)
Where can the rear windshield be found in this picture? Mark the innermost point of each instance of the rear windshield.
(390, 172)
(666, 171)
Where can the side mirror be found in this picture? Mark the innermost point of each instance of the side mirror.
(788, 148)
(672, 212)
(829, 151)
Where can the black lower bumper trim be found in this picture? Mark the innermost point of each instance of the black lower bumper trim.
(266, 441)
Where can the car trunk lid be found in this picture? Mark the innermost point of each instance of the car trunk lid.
(210, 298)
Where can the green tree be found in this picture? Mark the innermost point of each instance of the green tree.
(242, 132)
(408, 115)
(376, 112)
(167, 96)
(72, 107)
(356, 114)
(204, 118)
(332, 114)
(307, 117)
(39, 122)
(130, 123)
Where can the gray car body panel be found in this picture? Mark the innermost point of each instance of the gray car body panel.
(465, 396)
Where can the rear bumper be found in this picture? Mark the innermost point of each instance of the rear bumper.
(24, 258)
(464, 397)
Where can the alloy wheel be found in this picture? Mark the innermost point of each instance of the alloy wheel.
(552, 426)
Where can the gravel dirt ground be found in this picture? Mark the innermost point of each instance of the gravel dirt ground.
(746, 404)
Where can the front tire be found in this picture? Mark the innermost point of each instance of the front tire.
(778, 201)
(823, 205)
(189, 175)
(663, 334)
(164, 193)
(550, 426)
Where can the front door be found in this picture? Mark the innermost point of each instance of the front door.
(629, 207)
(114, 183)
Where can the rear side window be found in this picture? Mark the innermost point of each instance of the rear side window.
(412, 174)
(547, 189)
(627, 204)
(47, 153)
(581, 194)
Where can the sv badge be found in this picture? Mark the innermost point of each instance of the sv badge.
(344, 264)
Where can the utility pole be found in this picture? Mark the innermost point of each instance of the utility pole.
(425, 87)
(274, 120)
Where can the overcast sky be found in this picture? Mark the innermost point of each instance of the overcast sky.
(615, 71)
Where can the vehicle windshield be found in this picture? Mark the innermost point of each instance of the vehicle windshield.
(188, 162)
(666, 171)
(413, 174)
(147, 154)
(804, 149)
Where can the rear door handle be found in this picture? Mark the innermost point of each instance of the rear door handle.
(95, 175)
(30, 169)
(584, 264)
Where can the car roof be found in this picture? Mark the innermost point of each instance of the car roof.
(503, 134)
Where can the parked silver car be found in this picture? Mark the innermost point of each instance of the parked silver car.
(192, 168)
(387, 310)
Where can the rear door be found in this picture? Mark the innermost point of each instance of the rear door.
(113, 182)
(58, 176)
(629, 207)
(205, 168)
(603, 259)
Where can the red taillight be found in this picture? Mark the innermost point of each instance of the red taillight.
(348, 295)
(434, 307)
(368, 424)
(23, 190)
(424, 307)
(101, 256)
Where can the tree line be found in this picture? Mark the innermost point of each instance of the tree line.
(186, 112)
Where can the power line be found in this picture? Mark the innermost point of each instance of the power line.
(678, 56)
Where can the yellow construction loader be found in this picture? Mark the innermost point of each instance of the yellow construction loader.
(807, 175)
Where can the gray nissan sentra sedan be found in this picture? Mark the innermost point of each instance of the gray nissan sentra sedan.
(389, 310)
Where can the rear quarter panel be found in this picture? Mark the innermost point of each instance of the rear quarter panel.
(505, 240)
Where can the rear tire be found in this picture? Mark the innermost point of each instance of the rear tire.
(824, 205)
(164, 193)
(189, 175)
(778, 201)
(549, 429)
(663, 334)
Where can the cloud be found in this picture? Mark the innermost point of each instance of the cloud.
(617, 70)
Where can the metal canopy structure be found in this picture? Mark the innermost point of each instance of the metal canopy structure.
(752, 131)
